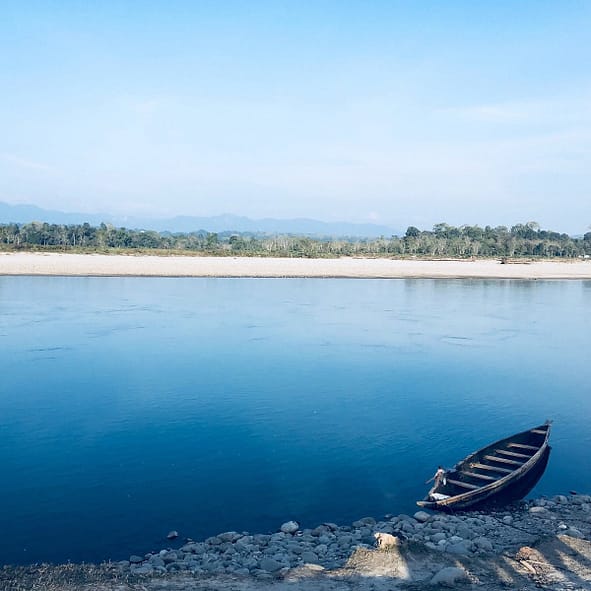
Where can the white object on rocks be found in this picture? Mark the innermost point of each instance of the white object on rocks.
(290, 527)
(450, 576)
(384, 540)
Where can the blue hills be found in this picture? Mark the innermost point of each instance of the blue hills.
(22, 214)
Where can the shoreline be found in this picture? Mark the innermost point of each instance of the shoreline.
(100, 265)
(540, 543)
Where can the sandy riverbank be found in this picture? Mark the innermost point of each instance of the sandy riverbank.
(196, 266)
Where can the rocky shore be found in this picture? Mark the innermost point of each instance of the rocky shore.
(531, 544)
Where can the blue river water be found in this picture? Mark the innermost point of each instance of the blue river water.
(133, 406)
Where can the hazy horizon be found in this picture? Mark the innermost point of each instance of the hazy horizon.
(398, 229)
(386, 112)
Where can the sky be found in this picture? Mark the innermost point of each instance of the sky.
(398, 113)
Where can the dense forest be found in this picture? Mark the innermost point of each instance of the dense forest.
(521, 240)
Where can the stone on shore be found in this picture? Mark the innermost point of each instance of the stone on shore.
(450, 576)
(270, 565)
(290, 527)
(422, 516)
(172, 535)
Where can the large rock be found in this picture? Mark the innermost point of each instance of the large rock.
(290, 527)
(450, 576)
(135, 559)
(422, 516)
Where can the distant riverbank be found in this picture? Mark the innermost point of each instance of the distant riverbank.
(196, 266)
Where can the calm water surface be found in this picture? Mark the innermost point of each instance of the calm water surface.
(133, 406)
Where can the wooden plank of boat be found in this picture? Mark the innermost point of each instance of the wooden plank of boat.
(503, 460)
(491, 468)
(538, 431)
(480, 476)
(463, 484)
(513, 454)
(523, 446)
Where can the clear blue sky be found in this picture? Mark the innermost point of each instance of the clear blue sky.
(397, 112)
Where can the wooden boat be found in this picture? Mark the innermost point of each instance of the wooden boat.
(501, 472)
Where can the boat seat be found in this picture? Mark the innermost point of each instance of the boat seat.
(481, 476)
(491, 468)
(503, 460)
(513, 454)
(523, 446)
(463, 484)
(539, 431)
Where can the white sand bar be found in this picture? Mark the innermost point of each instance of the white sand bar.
(197, 266)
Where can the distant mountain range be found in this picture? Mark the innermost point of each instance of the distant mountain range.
(22, 214)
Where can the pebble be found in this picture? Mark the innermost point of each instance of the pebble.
(460, 548)
(309, 557)
(449, 576)
(422, 516)
(172, 535)
(270, 565)
(484, 544)
(290, 527)
(573, 532)
(538, 510)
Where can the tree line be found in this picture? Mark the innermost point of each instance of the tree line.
(443, 240)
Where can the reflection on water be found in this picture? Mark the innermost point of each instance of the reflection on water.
(131, 407)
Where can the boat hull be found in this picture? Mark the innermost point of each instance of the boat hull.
(506, 486)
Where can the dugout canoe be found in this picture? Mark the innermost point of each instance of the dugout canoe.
(501, 472)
